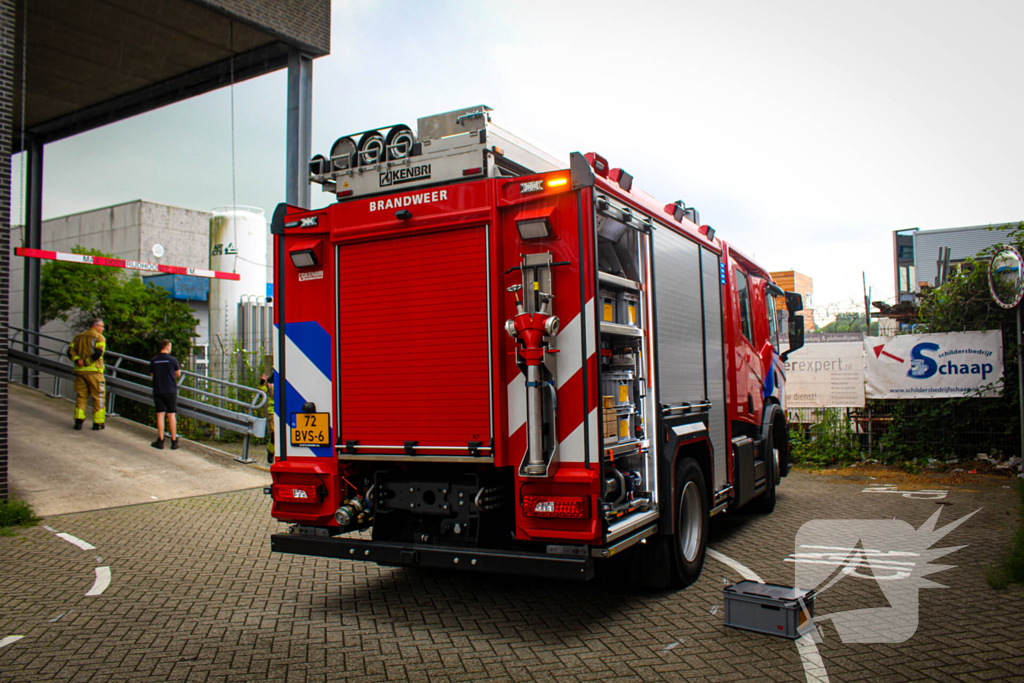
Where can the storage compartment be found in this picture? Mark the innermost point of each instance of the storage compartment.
(619, 386)
(769, 608)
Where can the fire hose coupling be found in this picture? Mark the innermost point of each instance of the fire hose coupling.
(352, 509)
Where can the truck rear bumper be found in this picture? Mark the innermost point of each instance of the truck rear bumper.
(580, 568)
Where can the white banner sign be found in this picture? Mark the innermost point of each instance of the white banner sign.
(934, 365)
(826, 373)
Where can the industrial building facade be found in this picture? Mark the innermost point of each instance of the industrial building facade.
(919, 256)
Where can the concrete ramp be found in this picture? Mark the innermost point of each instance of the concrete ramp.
(58, 470)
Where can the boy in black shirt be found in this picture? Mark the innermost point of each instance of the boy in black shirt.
(164, 370)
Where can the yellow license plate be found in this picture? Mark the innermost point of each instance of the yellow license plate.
(311, 429)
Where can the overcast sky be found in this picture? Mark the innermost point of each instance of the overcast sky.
(804, 132)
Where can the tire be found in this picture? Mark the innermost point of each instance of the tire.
(690, 541)
(765, 503)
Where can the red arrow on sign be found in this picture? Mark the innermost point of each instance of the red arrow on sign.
(879, 352)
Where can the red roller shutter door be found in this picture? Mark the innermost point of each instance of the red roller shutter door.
(413, 343)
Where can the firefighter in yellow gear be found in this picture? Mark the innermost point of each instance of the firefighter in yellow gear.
(86, 352)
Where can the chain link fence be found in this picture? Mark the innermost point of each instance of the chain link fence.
(906, 430)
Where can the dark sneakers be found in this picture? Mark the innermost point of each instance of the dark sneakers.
(98, 426)
(78, 424)
(159, 443)
(174, 444)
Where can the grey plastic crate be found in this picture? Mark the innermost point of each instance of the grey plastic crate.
(618, 385)
(769, 608)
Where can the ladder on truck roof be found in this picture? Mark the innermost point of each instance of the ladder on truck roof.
(465, 144)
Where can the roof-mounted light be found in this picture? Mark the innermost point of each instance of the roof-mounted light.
(625, 180)
(708, 232)
(598, 162)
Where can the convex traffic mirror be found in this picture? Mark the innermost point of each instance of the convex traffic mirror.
(1005, 278)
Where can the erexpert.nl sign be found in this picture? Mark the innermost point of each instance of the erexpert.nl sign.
(934, 365)
(828, 372)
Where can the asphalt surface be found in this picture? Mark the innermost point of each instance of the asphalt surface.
(194, 594)
(59, 470)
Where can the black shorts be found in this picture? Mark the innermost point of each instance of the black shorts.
(166, 403)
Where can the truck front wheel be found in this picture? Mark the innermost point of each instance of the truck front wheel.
(689, 543)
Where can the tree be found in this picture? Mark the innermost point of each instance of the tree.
(850, 322)
(137, 315)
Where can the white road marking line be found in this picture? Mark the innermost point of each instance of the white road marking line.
(922, 494)
(740, 569)
(10, 639)
(814, 667)
(57, 618)
(77, 541)
(102, 581)
(670, 646)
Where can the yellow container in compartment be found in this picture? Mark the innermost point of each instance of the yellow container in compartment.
(618, 386)
(609, 303)
(629, 309)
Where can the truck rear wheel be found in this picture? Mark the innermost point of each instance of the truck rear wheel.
(690, 540)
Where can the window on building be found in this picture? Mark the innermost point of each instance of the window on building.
(907, 278)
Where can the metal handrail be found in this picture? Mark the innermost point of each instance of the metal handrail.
(201, 408)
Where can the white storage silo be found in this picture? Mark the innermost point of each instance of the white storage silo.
(238, 244)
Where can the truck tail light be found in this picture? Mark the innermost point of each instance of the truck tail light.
(564, 507)
(296, 493)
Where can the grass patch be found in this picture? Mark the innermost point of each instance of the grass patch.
(1011, 569)
(14, 514)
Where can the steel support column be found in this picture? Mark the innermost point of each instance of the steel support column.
(33, 240)
(300, 117)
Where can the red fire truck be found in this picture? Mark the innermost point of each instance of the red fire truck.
(490, 362)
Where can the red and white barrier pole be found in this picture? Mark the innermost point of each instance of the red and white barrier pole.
(123, 263)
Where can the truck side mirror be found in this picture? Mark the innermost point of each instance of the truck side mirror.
(796, 332)
(794, 303)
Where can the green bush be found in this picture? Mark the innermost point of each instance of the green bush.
(830, 441)
(15, 513)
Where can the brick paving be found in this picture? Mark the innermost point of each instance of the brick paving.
(197, 596)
